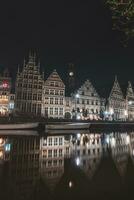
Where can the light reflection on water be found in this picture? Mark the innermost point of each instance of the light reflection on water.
(95, 165)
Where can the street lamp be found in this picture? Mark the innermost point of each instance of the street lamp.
(76, 97)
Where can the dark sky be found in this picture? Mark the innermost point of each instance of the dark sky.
(79, 32)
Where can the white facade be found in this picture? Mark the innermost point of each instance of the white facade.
(86, 102)
(130, 102)
(54, 97)
(116, 106)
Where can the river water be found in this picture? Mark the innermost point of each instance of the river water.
(66, 166)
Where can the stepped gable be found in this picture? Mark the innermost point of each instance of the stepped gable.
(116, 90)
(54, 76)
(130, 92)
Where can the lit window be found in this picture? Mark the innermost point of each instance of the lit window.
(56, 111)
(56, 100)
(51, 111)
(61, 92)
(55, 141)
(50, 141)
(61, 111)
(60, 141)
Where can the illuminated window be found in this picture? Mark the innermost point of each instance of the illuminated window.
(51, 83)
(34, 96)
(56, 100)
(61, 92)
(61, 111)
(61, 101)
(55, 141)
(60, 141)
(60, 162)
(50, 142)
(52, 92)
(60, 152)
(55, 152)
(46, 91)
(49, 153)
(46, 111)
(56, 92)
(39, 97)
(11, 105)
(51, 111)
(56, 111)
(51, 100)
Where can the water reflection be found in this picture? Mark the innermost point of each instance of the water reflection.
(77, 165)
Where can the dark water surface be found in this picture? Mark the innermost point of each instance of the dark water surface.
(67, 166)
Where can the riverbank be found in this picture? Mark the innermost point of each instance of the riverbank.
(62, 124)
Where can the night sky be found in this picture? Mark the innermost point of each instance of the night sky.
(79, 32)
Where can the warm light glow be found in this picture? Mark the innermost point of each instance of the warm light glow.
(1, 154)
(111, 111)
(70, 184)
(127, 140)
(1, 141)
(133, 152)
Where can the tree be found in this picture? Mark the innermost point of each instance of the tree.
(123, 18)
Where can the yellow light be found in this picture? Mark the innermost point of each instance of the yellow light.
(1, 141)
(1, 154)
(70, 184)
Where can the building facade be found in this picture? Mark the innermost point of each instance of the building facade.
(54, 97)
(5, 89)
(86, 102)
(116, 104)
(130, 102)
(29, 88)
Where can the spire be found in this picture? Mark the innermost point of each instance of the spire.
(116, 80)
(130, 90)
(129, 84)
(24, 64)
(32, 57)
(38, 65)
(6, 73)
(43, 74)
(18, 71)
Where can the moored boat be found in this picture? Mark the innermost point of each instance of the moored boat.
(19, 126)
(71, 126)
(19, 132)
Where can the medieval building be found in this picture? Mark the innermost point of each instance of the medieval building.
(5, 89)
(86, 102)
(54, 97)
(29, 87)
(116, 105)
(130, 102)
